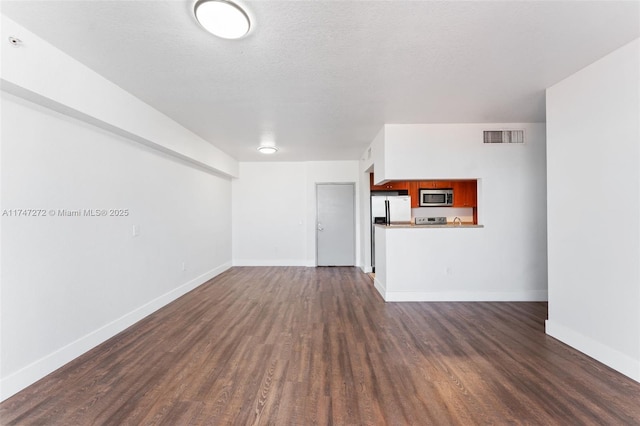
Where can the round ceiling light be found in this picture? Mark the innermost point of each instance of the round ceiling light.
(222, 18)
(267, 149)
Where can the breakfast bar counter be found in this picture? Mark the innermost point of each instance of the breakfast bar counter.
(414, 226)
(431, 263)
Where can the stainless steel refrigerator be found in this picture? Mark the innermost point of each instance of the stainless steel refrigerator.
(388, 207)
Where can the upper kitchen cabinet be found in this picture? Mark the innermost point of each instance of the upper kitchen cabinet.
(389, 186)
(434, 184)
(416, 185)
(414, 189)
(465, 193)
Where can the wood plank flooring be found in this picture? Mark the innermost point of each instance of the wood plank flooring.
(304, 346)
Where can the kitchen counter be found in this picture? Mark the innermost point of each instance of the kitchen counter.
(413, 225)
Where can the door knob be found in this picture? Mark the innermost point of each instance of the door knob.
(320, 228)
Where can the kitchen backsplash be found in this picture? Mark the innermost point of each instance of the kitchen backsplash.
(464, 213)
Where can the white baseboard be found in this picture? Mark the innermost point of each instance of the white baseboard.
(618, 361)
(381, 288)
(465, 296)
(35, 371)
(274, 262)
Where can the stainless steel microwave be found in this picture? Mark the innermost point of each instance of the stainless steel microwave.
(436, 197)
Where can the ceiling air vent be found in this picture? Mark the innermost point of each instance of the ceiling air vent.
(504, 136)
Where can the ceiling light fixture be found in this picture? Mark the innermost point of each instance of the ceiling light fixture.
(267, 149)
(222, 18)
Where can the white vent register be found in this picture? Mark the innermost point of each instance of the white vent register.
(504, 136)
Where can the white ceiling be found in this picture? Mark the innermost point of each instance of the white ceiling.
(322, 77)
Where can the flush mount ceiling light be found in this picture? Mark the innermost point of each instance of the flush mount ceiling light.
(222, 18)
(267, 149)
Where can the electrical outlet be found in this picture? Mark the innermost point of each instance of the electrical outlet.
(184, 266)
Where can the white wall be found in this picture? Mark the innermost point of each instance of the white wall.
(43, 74)
(269, 214)
(73, 140)
(593, 155)
(69, 283)
(364, 195)
(274, 210)
(445, 264)
(373, 155)
(511, 195)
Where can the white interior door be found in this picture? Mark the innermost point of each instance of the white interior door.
(335, 226)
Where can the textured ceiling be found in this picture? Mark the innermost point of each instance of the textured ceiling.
(322, 77)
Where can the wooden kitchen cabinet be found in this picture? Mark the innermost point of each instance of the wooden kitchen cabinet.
(465, 193)
(416, 185)
(414, 189)
(389, 186)
(435, 184)
(398, 184)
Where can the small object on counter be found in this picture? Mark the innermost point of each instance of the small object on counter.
(430, 220)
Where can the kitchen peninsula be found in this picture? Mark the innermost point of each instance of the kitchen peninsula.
(502, 260)
(429, 263)
(409, 262)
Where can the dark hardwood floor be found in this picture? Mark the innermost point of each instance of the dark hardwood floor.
(301, 346)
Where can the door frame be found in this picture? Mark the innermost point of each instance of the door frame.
(355, 223)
